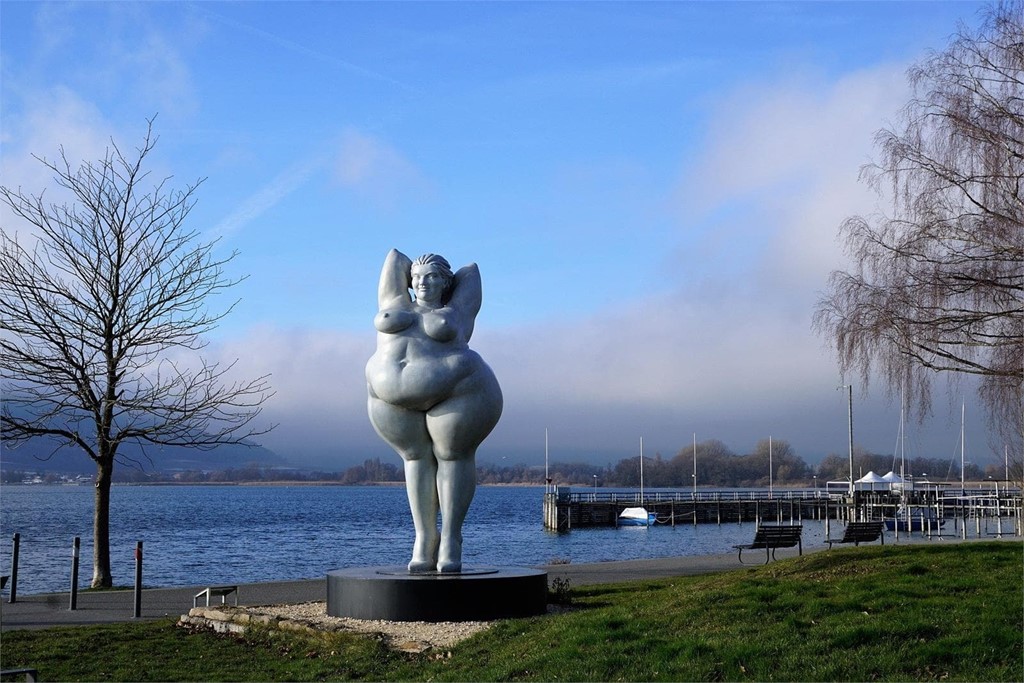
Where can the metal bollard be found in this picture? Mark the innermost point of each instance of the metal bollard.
(74, 572)
(138, 579)
(14, 569)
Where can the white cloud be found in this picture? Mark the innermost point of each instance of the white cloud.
(373, 169)
(320, 389)
(360, 163)
(54, 27)
(725, 354)
(107, 91)
(163, 80)
(50, 120)
(790, 155)
(310, 367)
(140, 63)
(765, 135)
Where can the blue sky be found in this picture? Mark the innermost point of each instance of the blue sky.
(651, 191)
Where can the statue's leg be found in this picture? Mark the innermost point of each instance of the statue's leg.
(421, 487)
(456, 484)
(406, 432)
(457, 427)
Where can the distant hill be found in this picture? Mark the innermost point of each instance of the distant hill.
(39, 456)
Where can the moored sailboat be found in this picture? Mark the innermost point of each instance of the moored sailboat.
(638, 516)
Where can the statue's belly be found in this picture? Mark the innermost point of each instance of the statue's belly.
(416, 383)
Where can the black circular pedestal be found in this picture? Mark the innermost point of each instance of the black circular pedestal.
(476, 594)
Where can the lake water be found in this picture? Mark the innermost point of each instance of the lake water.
(205, 535)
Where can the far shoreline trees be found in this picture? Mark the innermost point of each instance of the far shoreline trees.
(718, 467)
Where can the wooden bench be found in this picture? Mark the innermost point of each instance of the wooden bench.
(214, 591)
(860, 532)
(772, 536)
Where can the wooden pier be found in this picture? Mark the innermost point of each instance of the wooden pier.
(565, 509)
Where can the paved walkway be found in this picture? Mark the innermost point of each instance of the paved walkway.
(104, 607)
(100, 607)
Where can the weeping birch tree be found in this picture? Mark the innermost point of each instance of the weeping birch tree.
(937, 281)
(103, 308)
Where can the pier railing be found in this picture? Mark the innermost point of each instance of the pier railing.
(685, 496)
(565, 508)
(603, 496)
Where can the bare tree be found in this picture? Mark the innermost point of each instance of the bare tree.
(101, 315)
(937, 284)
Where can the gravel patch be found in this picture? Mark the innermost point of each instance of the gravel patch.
(408, 636)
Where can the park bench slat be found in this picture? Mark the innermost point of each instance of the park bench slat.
(860, 532)
(773, 536)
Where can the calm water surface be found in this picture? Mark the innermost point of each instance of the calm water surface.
(203, 535)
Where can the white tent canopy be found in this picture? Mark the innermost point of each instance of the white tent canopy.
(871, 481)
(893, 478)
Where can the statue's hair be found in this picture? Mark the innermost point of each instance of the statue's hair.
(444, 269)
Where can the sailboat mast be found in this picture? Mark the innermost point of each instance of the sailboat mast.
(903, 436)
(695, 465)
(547, 478)
(849, 389)
(963, 411)
(641, 470)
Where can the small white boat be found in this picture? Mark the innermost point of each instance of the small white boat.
(636, 517)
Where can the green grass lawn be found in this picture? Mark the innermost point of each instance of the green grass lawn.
(921, 612)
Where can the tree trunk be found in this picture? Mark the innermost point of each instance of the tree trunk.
(101, 576)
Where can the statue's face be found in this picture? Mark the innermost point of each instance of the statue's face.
(428, 284)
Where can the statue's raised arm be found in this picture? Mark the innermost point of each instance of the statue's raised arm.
(467, 297)
(394, 279)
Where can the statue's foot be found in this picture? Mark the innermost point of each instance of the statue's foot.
(424, 553)
(450, 555)
(422, 566)
(450, 566)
